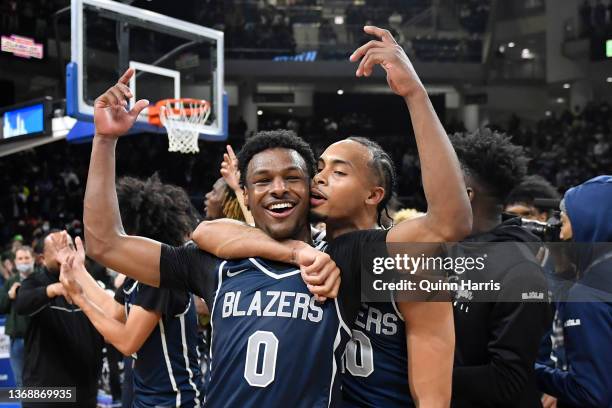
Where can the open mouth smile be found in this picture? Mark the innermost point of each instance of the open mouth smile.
(280, 209)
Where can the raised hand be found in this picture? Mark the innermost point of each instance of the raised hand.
(63, 245)
(111, 117)
(319, 272)
(229, 169)
(67, 252)
(71, 287)
(385, 51)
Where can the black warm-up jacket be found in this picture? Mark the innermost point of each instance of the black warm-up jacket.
(62, 348)
(497, 342)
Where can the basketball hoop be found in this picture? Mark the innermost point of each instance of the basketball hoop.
(183, 119)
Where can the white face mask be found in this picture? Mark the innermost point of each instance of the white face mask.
(25, 269)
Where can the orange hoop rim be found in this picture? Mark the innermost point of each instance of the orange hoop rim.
(154, 110)
(205, 105)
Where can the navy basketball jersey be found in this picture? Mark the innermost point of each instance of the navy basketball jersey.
(272, 344)
(167, 366)
(376, 365)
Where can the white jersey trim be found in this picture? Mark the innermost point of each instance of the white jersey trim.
(272, 274)
(342, 322)
(162, 333)
(130, 290)
(212, 312)
(334, 365)
(185, 355)
(184, 312)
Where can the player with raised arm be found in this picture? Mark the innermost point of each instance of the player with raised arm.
(157, 326)
(262, 315)
(351, 189)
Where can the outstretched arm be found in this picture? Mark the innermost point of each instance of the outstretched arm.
(449, 215)
(65, 248)
(106, 240)
(230, 239)
(127, 336)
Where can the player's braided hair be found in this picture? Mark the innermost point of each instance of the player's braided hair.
(155, 210)
(230, 205)
(274, 139)
(383, 169)
(492, 159)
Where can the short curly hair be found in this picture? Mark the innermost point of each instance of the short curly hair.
(155, 210)
(491, 159)
(532, 188)
(275, 139)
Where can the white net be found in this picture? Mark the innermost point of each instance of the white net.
(184, 120)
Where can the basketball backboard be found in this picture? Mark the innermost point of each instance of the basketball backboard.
(172, 59)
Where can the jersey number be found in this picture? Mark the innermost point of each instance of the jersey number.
(359, 346)
(259, 372)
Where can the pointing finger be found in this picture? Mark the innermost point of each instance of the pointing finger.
(231, 153)
(127, 75)
(384, 35)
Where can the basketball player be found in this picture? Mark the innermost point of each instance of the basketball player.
(263, 316)
(156, 326)
(351, 189)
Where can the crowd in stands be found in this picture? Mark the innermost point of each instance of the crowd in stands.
(473, 15)
(265, 29)
(595, 18)
(43, 188)
(30, 18)
(440, 49)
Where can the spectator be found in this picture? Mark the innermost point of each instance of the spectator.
(7, 268)
(143, 320)
(16, 324)
(497, 342)
(585, 18)
(522, 200)
(395, 21)
(599, 16)
(587, 313)
(62, 349)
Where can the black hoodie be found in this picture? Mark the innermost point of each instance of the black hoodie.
(497, 342)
